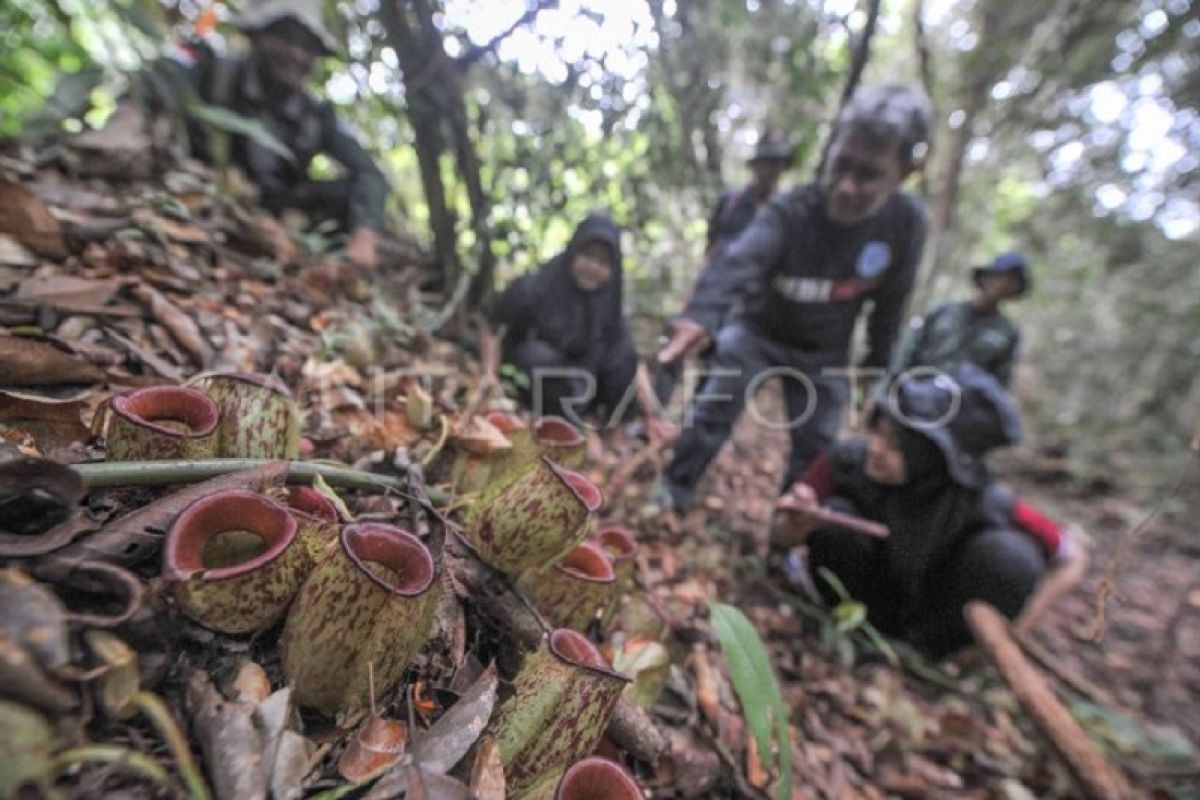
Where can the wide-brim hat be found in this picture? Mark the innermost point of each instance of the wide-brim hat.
(1015, 263)
(262, 15)
(772, 146)
(966, 413)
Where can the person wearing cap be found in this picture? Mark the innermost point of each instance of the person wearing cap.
(804, 270)
(735, 208)
(973, 330)
(268, 84)
(955, 534)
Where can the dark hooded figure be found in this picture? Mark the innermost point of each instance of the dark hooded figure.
(956, 535)
(565, 329)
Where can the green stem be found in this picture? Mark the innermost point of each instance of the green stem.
(159, 473)
(162, 719)
(137, 762)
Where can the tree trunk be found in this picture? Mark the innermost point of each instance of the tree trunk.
(414, 51)
(862, 53)
(925, 64)
(437, 108)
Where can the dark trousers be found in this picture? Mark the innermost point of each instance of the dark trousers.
(744, 359)
(321, 201)
(601, 384)
(997, 565)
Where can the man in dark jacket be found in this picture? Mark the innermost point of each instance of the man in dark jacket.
(974, 330)
(268, 85)
(805, 267)
(733, 213)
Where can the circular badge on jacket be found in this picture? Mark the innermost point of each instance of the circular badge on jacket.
(873, 260)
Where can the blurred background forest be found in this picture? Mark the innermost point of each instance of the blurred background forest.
(1066, 128)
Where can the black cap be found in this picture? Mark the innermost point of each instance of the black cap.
(1006, 262)
(773, 146)
(966, 413)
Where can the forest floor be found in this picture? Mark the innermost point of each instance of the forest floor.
(105, 287)
(1132, 674)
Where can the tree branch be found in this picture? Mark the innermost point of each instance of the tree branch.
(1094, 774)
(479, 51)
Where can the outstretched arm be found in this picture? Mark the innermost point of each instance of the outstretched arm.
(727, 278)
(368, 190)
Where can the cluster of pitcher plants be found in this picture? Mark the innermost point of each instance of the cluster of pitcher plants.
(357, 599)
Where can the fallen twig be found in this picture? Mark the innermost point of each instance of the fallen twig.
(1095, 775)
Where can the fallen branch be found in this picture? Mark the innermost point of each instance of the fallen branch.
(1094, 774)
(630, 727)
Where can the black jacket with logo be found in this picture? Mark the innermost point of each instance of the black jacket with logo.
(805, 278)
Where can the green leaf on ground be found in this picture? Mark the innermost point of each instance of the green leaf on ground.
(757, 689)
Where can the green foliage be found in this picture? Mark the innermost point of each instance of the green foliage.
(1153, 750)
(757, 689)
(849, 617)
(222, 119)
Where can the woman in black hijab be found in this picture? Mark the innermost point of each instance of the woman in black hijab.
(566, 330)
(956, 535)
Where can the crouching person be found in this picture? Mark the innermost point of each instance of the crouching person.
(956, 535)
(269, 85)
(566, 333)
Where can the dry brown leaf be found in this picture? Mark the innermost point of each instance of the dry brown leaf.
(377, 745)
(52, 423)
(756, 774)
(26, 218)
(251, 684)
(487, 777)
(67, 290)
(444, 744)
(33, 362)
(480, 437)
(15, 254)
(232, 744)
(175, 230)
(182, 327)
